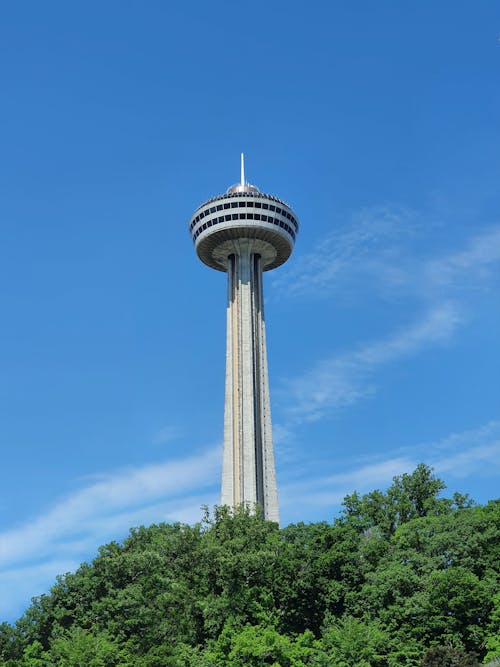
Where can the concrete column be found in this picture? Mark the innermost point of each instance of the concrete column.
(248, 474)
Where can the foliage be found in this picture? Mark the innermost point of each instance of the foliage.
(493, 637)
(356, 643)
(404, 578)
(447, 656)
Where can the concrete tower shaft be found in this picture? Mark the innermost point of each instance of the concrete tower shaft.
(245, 232)
(248, 473)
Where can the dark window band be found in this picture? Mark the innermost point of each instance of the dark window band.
(244, 216)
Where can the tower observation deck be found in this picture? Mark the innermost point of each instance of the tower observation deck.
(245, 232)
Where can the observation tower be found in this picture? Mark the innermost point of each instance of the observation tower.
(243, 233)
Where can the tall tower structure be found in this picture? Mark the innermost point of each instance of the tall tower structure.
(245, 232)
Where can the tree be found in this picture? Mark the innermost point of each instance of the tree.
(10, 644)
(35, 656)
(353, 642)
(80, 648)
(447, 656)
(410, 496)
(255, 646)
(399, 573)
(492, 641)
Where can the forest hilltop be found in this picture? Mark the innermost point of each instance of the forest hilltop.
(404, 578)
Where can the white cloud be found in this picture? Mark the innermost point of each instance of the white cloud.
(465, 454)
(65, 535)
(56, 542)
(469, 267)
(372, 245)
(20, 584)
(379, 252)
(458, 455)
(331, 489)
(341, 380)
(106, 500)
(372, 254)
(467, 463)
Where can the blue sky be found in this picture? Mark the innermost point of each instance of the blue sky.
(377, 122)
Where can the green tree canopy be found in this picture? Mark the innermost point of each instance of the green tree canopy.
(404, 578)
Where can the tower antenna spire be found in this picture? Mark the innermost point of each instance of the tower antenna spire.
(242, 170)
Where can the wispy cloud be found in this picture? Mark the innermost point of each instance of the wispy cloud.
(330, 490)
(380, 251)
(73, 528)
(466, 453)
(20, 584)
(474, 451)
(104, 501)
(471, 267)
(57, 541)
(366, 252)
(341, 380)
(373, 253)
